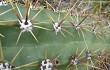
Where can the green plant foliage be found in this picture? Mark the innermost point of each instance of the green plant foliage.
(49, 45)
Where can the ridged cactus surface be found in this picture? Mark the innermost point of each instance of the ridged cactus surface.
(72, 48)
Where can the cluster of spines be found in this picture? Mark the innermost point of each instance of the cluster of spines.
(57, 27)
(26, 24)
(102, 59)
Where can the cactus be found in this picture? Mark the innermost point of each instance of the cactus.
(49, 39)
